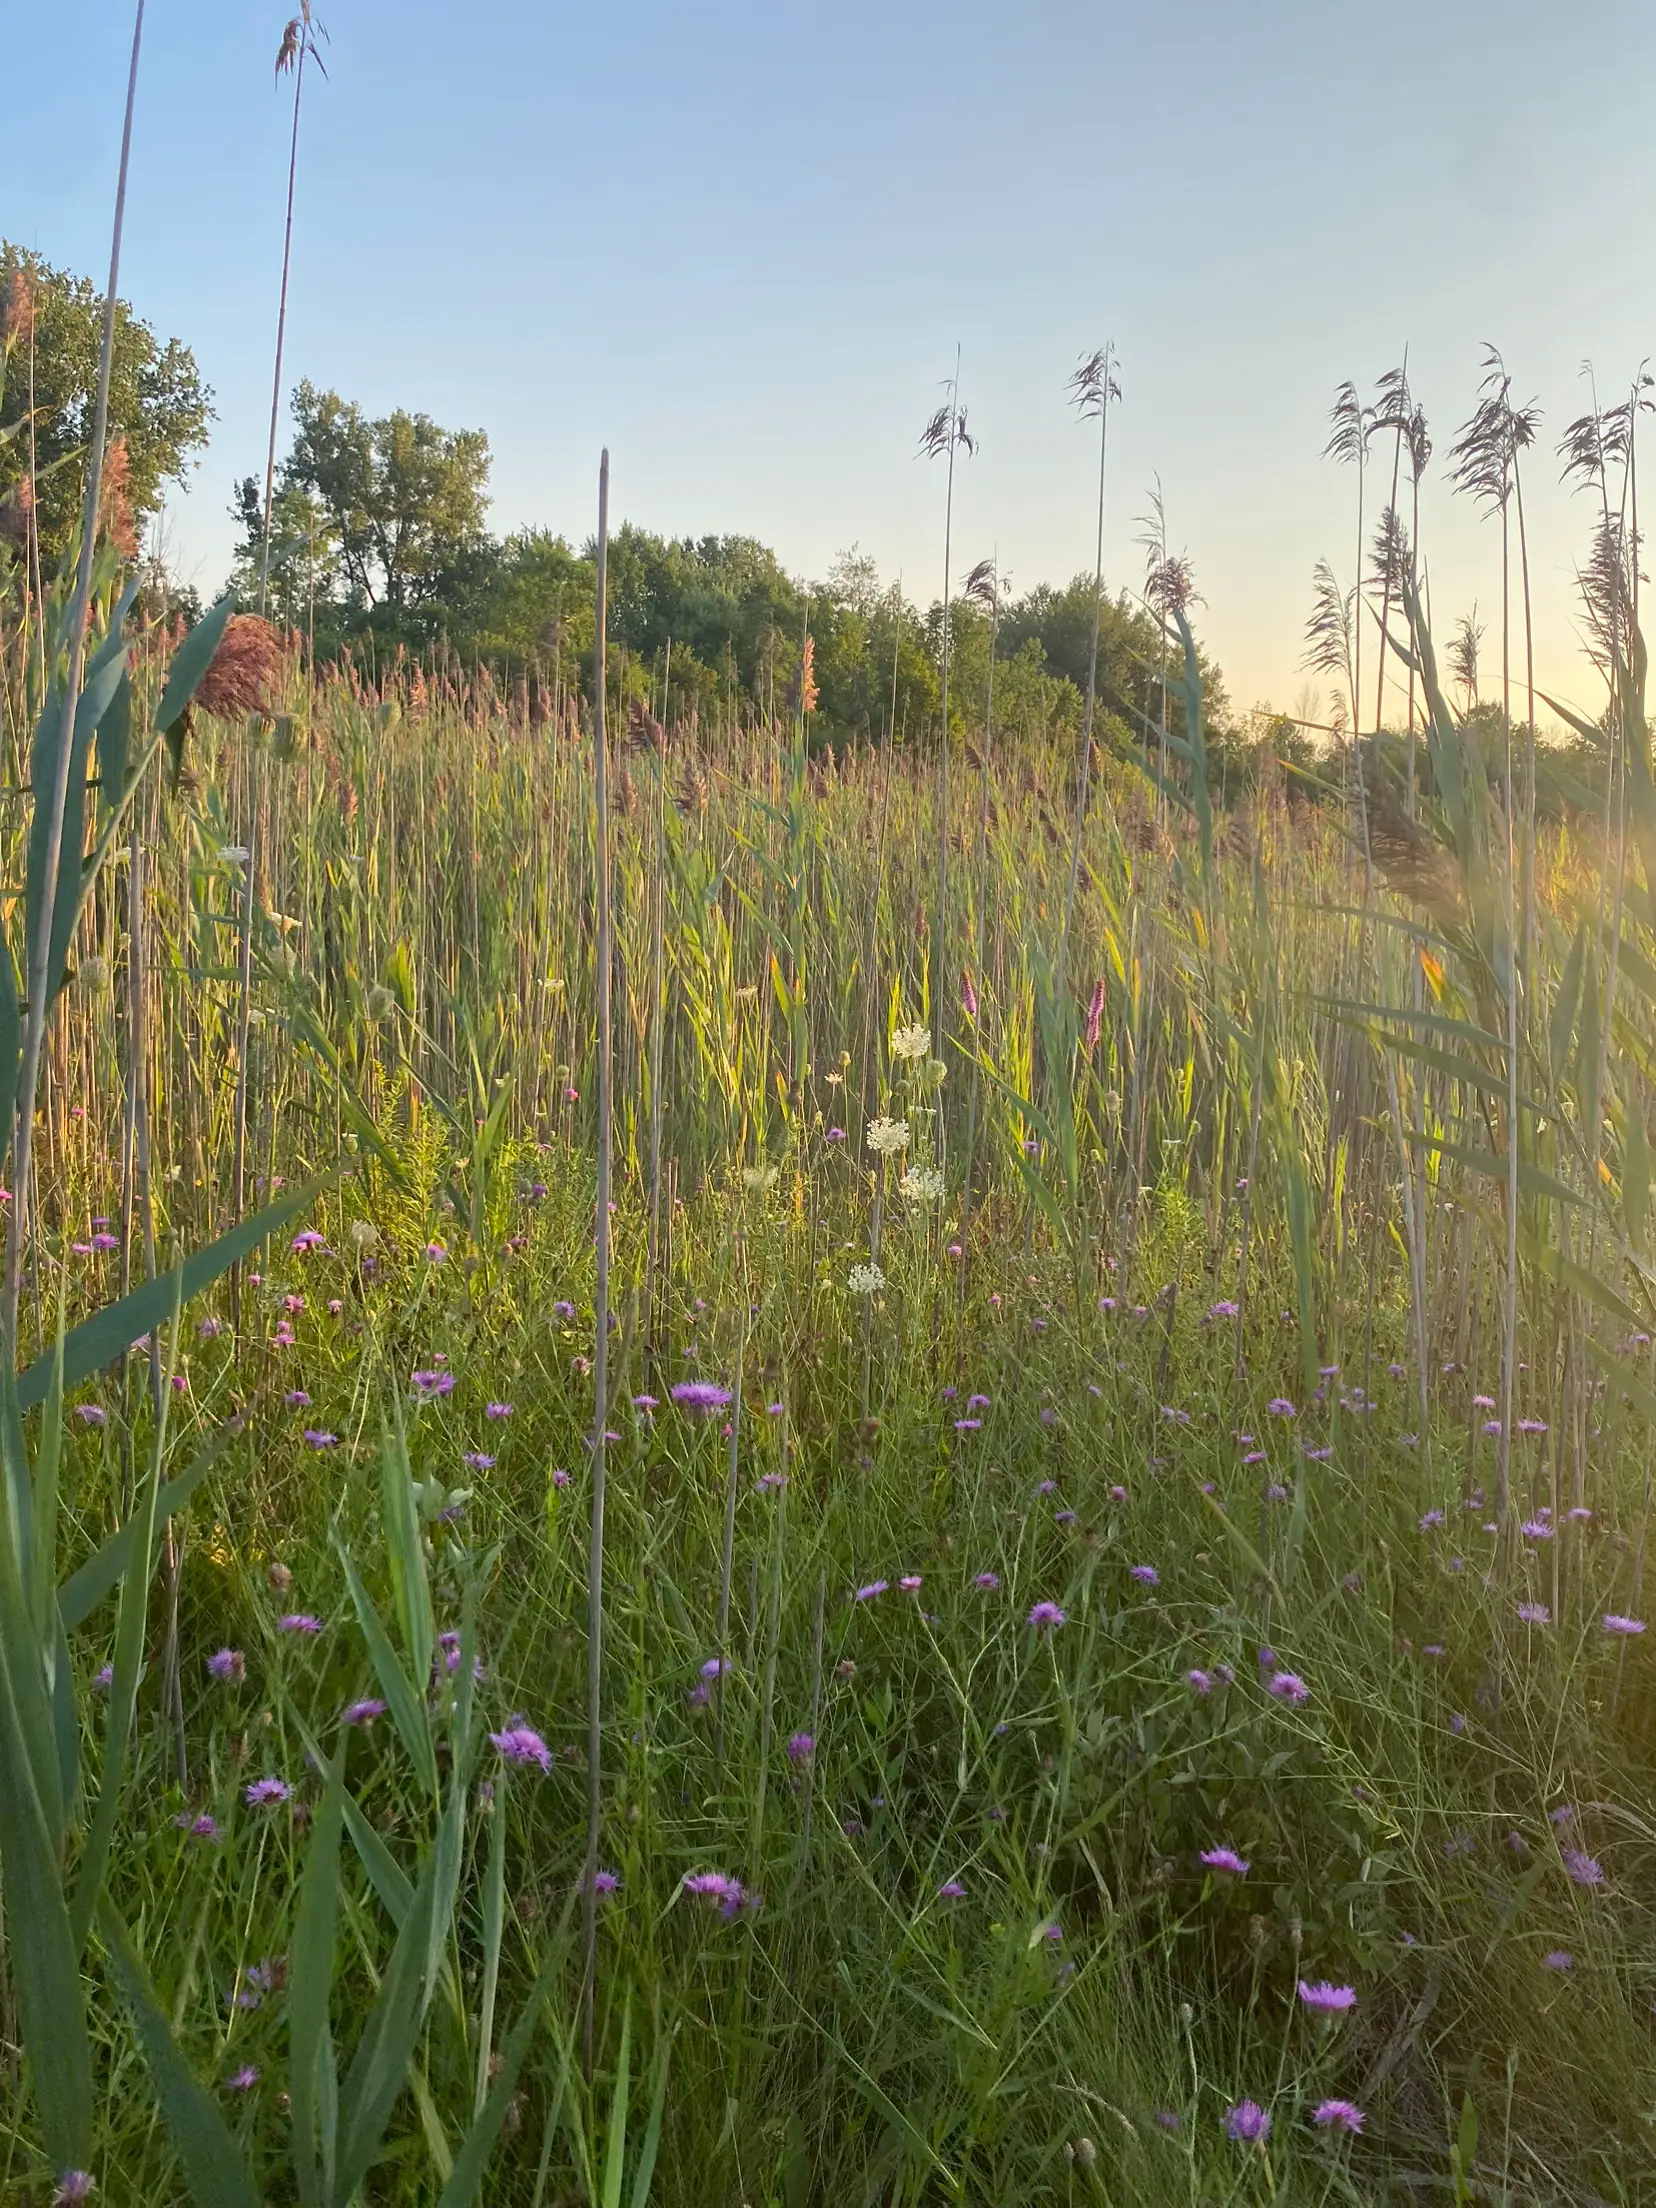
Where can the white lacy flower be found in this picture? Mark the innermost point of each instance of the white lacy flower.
(888, 1136)
(911, 1042)
(922, 1184)
(865, 1280)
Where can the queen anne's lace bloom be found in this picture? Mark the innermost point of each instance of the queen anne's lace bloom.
(865, 1280)
(888, 1136)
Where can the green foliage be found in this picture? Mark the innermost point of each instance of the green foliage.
(159, 408)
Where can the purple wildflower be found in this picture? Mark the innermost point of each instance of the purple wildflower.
(700, 1397)
(244, 2079)
(1279, 1407)
(987, 1581)
(298, 1621)
(1534, 1613)
(520, 1743)
(1287, 1686)
(92, 1414)
(504, 1410)
(951, 1890)
(74, 2185)
(1046, 1615)
(1338, 2116)
(874, 1587)
(1558, 1958)
(267, 1793)
(1615, 1623)
(320, 1438)
(1225, 1859)
(363, 1712)
(1328, 1999)
(1146, 1574)
(1248, 2123)
(1584, 1869)
(478, 1460)
(227, 1663)
(801, 1747)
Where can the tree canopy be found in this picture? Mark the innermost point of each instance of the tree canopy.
(159, 408)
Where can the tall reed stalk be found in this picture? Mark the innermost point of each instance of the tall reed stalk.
(40, 951)
(600, 1356)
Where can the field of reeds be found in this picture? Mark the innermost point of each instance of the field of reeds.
(737, 1469)
(1111, 1662)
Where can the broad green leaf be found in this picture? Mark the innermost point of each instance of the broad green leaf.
(650, 2145)
(615, 2145)
(395, 2022)
(1532, 1178)
(98, 1341)
(405, 1550)
(471, 2163)
(114, 743)
(310, 1986)
(214, 2171)
(1636, 1179)
(1561, 1024)
(45, 1965)
(189, 664)
(406, 1707)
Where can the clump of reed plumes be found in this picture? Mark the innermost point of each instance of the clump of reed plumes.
(115, 519)
(245, 670)
(1413, 864)
(16, 508)
(17, 310)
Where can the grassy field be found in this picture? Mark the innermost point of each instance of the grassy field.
(1123, 1677)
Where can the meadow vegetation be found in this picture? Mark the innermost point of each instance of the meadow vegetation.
(769, 1463)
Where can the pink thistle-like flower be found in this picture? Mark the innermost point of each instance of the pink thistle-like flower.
(1046, 1616)
(1615, 1623)
(873, 1588)
(92, 1414)
(700, 1397)
(74, 2185)
(728, 1892)
(1146, 1575)
(298, 1621)
(1558, 1958)
(1534, 1613)
(1225, 1859)
(227, 1663)
(1248, 2124)
(1287, 1686)
(320, 1438)
(1328, 2000)
(1338, 2116)
(801, 1747)
(951, 1890)
(1280, 1407)
(1583, 1869)
(987, 1582)
(519, 1743)
(504, 1410)
(910, 1582)
(244, 2079)
(363, 1712)
(267, 1793)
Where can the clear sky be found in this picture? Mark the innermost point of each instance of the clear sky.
(739, 243)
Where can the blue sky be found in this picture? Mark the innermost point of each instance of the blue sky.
(739, 243)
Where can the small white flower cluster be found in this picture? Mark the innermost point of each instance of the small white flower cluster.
(922, 1184)
(888, 1136)
(911, 1042)
(865, 1280)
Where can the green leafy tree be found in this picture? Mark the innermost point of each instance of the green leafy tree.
(397, 513)
(159, 408)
